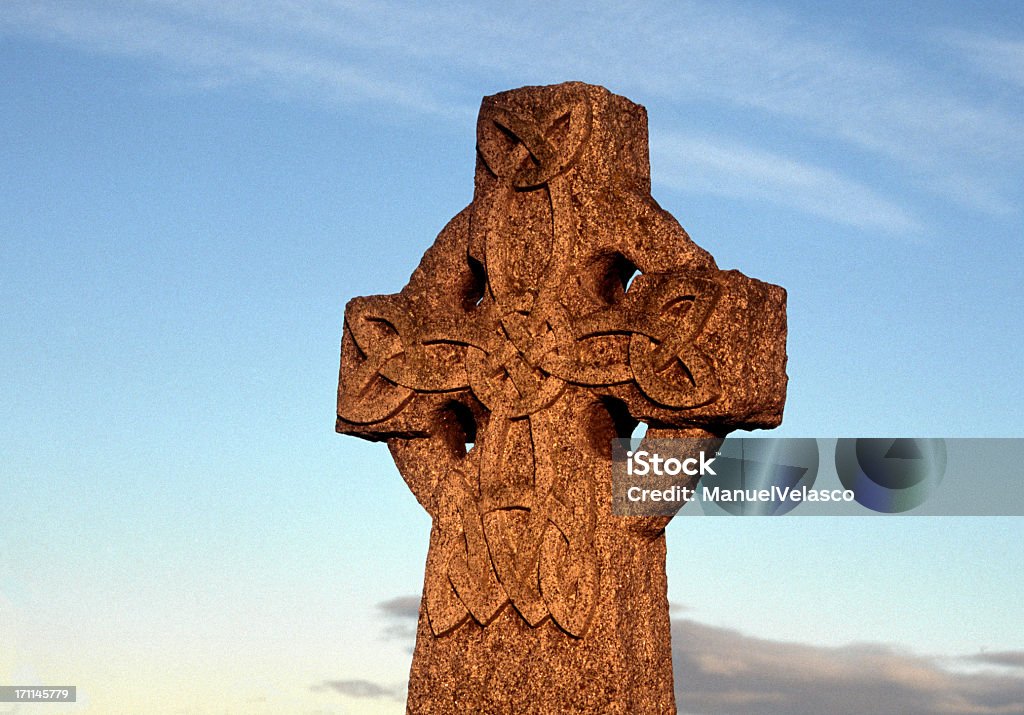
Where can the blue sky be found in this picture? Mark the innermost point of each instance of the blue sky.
(189, 193)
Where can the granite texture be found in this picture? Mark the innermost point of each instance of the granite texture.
(499, 376)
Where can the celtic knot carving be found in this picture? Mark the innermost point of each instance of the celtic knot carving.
(522, 320)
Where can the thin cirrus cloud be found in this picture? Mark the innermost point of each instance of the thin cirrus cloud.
(997, 57)
(720, 670)
(927, 123)
(218, 53)
(716, 166)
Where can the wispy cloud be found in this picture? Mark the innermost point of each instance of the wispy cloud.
(715, 166)
(997, 56)
(362, 689)
(280, 58)
(401, 614)
(892, 110)
(401, 607)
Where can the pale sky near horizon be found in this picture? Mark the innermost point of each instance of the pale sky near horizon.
(190, 192)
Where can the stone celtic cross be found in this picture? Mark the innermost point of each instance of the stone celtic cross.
(557, 310)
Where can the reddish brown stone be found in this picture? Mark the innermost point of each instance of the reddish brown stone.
(517, 335)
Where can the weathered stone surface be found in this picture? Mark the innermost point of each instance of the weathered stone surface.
(520, 337)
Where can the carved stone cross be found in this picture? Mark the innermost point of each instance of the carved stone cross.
(500, 375)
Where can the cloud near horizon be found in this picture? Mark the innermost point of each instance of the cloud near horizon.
(720, 670)
(362, 689)
(1010, 658)
(401, 614)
